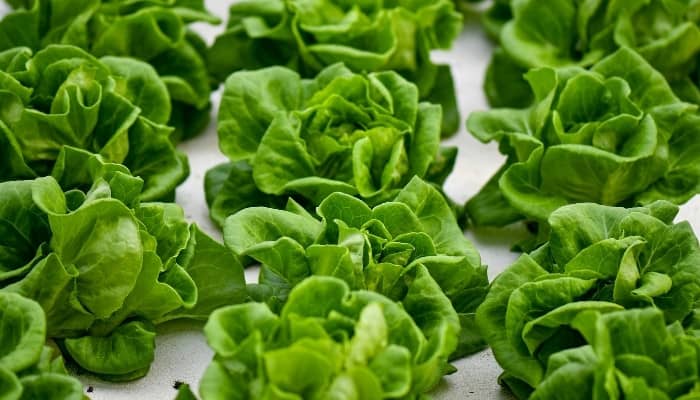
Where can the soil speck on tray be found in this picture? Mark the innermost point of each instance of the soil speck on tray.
(90, 389)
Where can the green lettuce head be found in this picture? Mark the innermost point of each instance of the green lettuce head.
(374, 35)
(28, 368)
(598, 259)
(154, 31)
(106, 267)
(406, 246)
(614, 135)
(361, 134)
(561, 33)
(627, 354)
(329, 343)
(115, 107)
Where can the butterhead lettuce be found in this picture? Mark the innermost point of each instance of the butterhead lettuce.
(106, 267)
(370, 36)
(62, 96)
(615, 135)
(561, 33)
(598, 260)
(628, 354)
(28, 367)
(329, 342)
(154, 31)
(408, 246)
(365, 135)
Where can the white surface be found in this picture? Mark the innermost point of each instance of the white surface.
(182, 354)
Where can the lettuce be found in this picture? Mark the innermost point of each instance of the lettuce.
(28, 367)
(154, 31)
(104, 266)
(614, 135)
(364, 135)
(328, 343)
(559, 33)
(598, 259)
(374, 35)
(115, 107)
(628, 354)
(410, 244)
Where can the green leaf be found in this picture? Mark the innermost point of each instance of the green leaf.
(94, 239)
(372, 37)
(10, 385)
(21, 224)
(128, 349)
(230, 188)
(70, 230)
(254, 226)
(23, 334)
(569, 33)
(250, 103)
(216, 272)
(154, 32)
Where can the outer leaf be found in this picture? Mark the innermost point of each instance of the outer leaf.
(24, 333)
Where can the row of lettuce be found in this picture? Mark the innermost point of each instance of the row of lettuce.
(368, 287)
